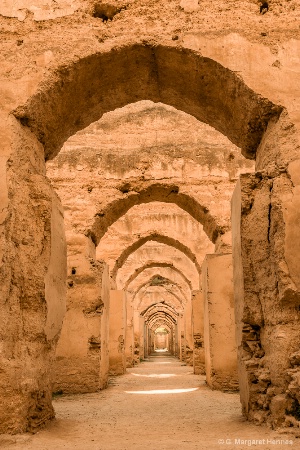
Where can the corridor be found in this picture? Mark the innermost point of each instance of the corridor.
(159, 404)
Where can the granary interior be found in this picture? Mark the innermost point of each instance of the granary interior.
(145, 168)
(149, 218)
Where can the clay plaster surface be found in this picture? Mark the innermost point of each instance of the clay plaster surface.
(55, 279)
(219, 320)
(142, 220)
(160, 275)
(275, 70)
(40, 9)
(151, 295)
(118, 156)
(151, 252)
(117, 332)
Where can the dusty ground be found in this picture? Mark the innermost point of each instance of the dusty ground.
(145, 409)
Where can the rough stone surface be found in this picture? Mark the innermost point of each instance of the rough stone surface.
(117, 332)
(198, 332)
(219, 320)
(81, 363)
(267, 331)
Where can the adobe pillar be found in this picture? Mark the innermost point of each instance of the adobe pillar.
(142, 337)
(198, 332)
(181, 340)
(81, 355)
(136, 335)
(219, 322)
(129, 339)
(104, 353)
(117, 330)
(188, 333)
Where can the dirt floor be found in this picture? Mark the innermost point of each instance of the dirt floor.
(158, 404)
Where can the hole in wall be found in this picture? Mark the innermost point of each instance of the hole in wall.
(125, 188)
(105, 11)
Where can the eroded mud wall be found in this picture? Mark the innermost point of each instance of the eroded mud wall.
(79, 354)
(117, 332)
(198, 332)
(267, 295)
(33, 280)
(219, 322)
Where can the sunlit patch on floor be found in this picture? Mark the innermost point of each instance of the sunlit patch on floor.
(163, 362)
(163, 391)
(155, 375)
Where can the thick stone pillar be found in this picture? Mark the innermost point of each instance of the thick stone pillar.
(176, 338)
(142, 337)
(148, 350)
(146, 334)
(104, 354)
(79, 352)
(265, 229)
(168, 341)
(129, 338)
(219, 322)
(198, 332)
(117, 330)
(182, 339)
(171, 341)
(33, 280)
(149, 338)
(152, 342)
(136, 333)
(188, 333)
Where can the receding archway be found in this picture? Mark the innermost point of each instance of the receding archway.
(102, 82)
(137, 194)
(162, 282)
(155, 266)
(145, 297)
(157, 238)
(156, 315)
(150, 265)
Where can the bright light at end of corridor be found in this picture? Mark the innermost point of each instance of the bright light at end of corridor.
(163, 391)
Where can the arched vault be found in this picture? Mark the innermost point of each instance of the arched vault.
(155, 265)
(179, 77)
(138, 193)
(163, 282)
(157, 238)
